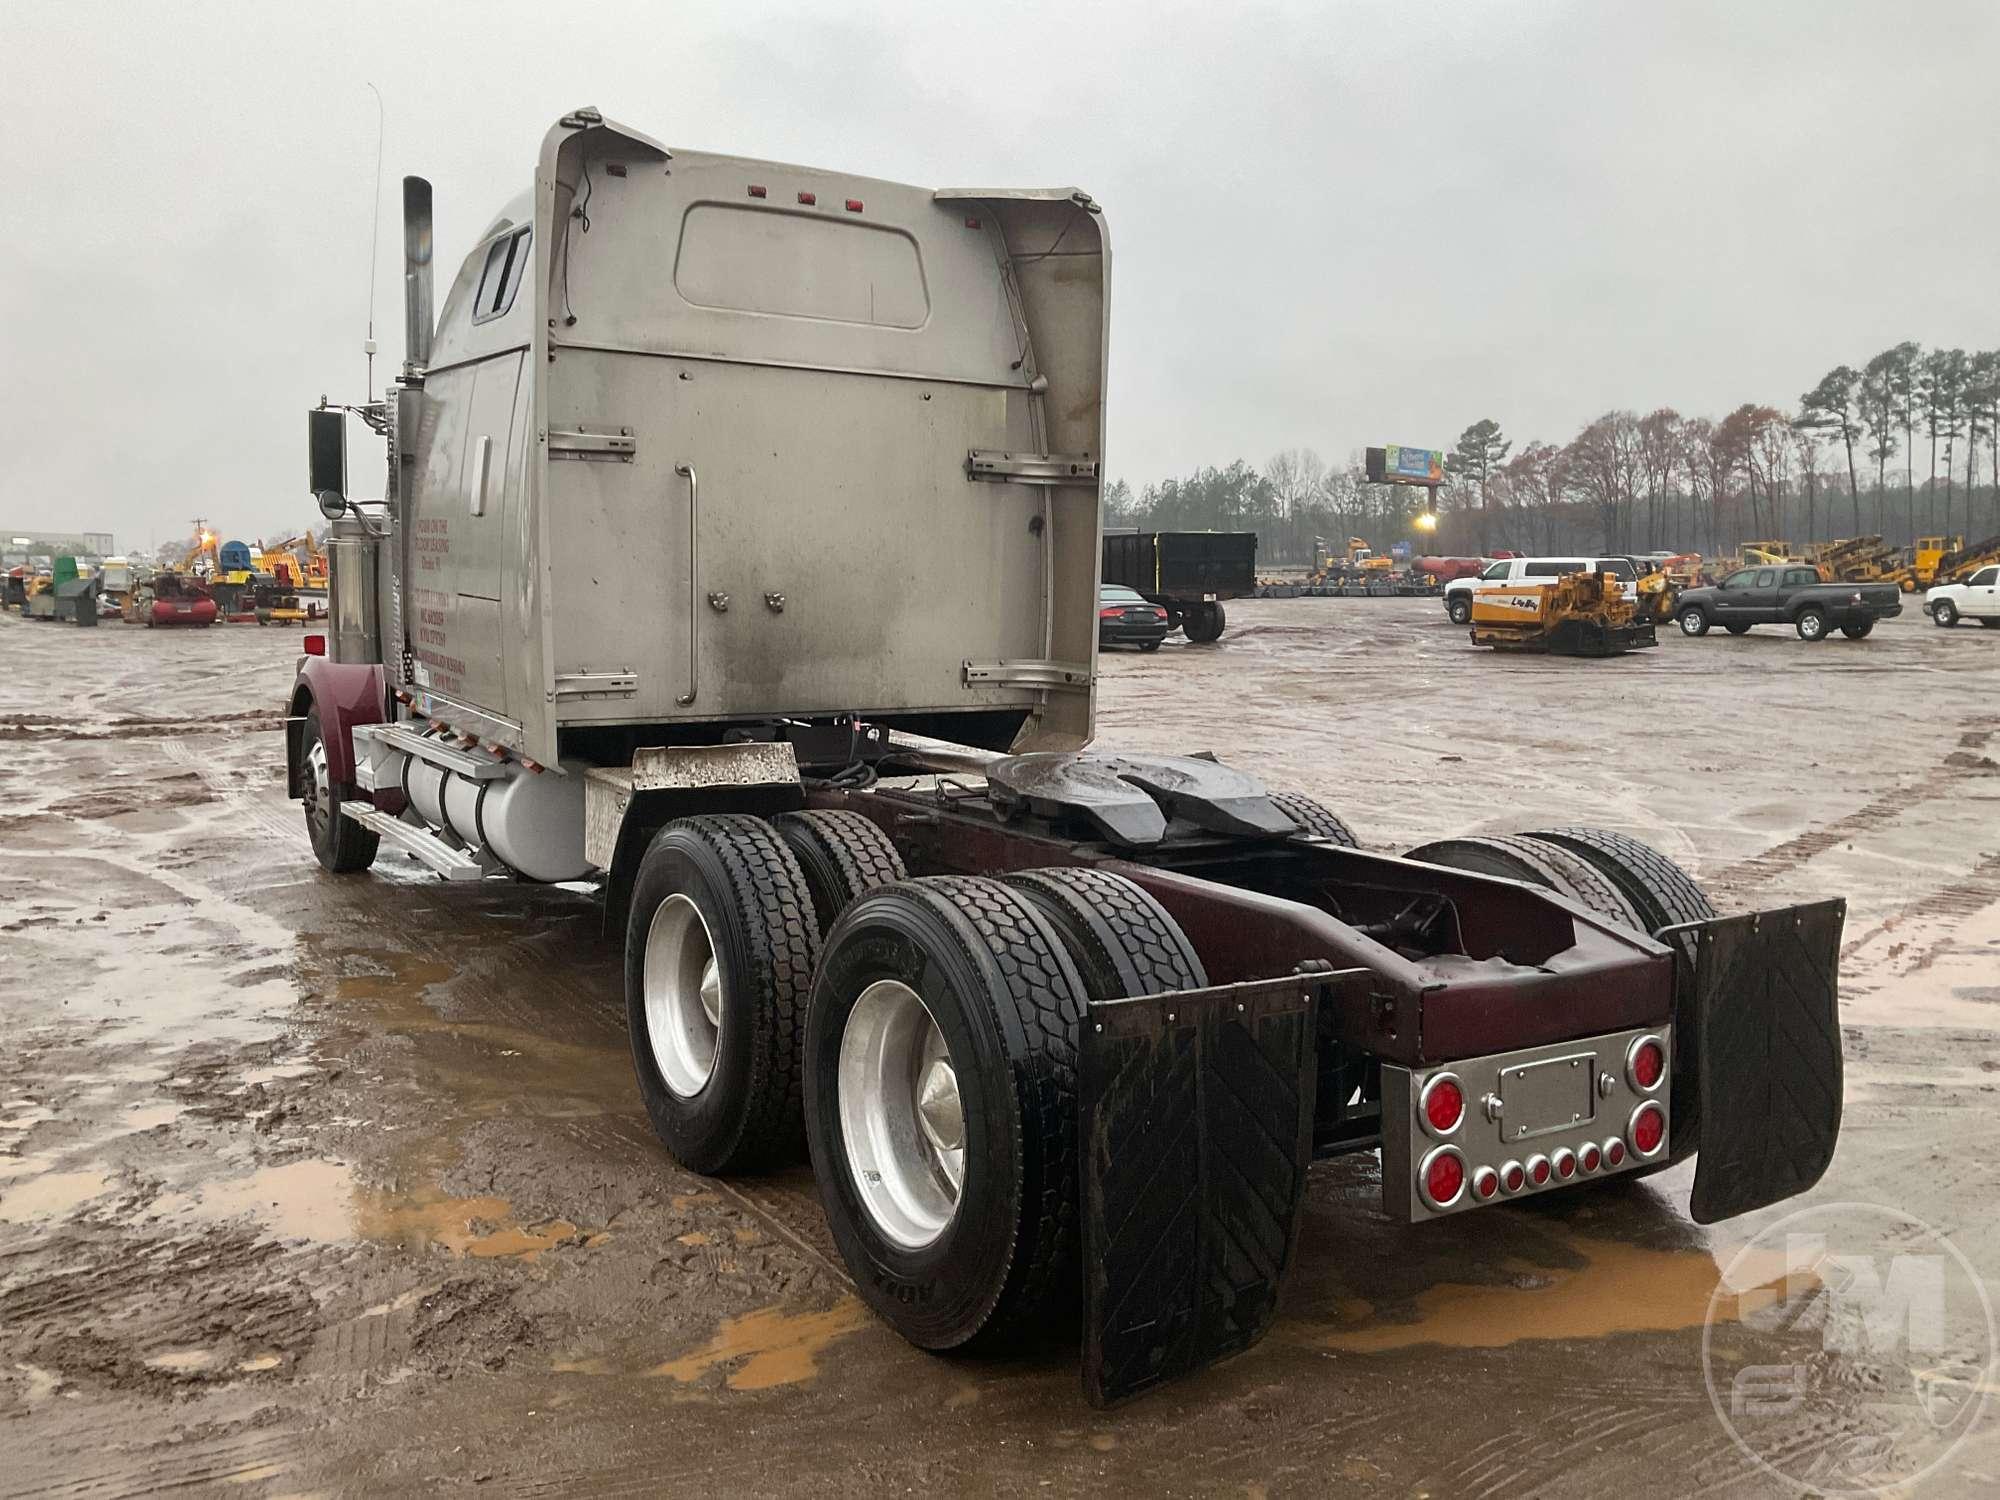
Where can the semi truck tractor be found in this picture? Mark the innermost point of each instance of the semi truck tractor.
(737, 555)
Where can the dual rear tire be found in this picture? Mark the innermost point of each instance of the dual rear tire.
(919, 1036)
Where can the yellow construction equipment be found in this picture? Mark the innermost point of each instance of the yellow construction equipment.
(1920, 570)
(1578, 614)
(1962, 562)
(1856, 559)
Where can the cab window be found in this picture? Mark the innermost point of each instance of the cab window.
(1767, 578)
(1617, 567)
(1796, 576)
(506, 259)
(1740, 580)
(1985, 578)
(1495, 570)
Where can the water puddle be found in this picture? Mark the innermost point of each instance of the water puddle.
(776, 1346)
(1617, 1288)
(51, 1195)
(320, 1201)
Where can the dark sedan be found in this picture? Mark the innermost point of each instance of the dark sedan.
(1126, 619)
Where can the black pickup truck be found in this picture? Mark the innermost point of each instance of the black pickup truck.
(1788, 595)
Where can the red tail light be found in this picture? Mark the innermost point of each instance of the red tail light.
(1109, 614)
(1648, 1129)
(1614, 1152)
(1485, 1183)
(1565, 1163)
(1646, 1064)
(1591, 1158)
(1443, 1104)
(1538, 1170)
(1512, 1177)
(1442, 1177)
(315, 645)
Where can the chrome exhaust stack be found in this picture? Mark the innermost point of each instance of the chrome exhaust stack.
(417, 318)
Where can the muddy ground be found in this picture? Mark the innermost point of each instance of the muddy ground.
(341, 1185)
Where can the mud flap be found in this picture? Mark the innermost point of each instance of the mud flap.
(1196, 1118)
(1757, 1013)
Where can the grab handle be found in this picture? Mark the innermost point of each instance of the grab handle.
(687, 472)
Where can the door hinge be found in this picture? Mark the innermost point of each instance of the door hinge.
(1062, 676)
(593, 447)
(1030, 468)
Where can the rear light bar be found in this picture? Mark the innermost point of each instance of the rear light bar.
(315, 645)
(1477, 1130)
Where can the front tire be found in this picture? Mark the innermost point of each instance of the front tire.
(1460, 610)
(719, 952)
(341, 845)
(1694, 622)
(941, 1107)
(1811, 624)
(1944, 614)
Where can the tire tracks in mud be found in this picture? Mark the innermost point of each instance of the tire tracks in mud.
(1783, 858)
(788, 1214)
(1964, 897)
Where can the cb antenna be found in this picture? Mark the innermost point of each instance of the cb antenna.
(374, 240)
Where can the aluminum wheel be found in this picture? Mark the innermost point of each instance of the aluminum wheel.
(901, 1120)
(318, 790)
(683, 990)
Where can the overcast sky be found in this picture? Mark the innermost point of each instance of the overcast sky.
(1333, 224)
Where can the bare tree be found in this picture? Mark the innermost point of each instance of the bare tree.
(1831, 407)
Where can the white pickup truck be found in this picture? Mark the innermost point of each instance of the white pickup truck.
(1458, 593)
(1978, 598)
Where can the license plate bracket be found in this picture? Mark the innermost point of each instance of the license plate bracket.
(1556, 1093)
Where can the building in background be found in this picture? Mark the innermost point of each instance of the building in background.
(19, 545)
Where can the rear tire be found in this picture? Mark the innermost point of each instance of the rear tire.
(1694, 621)
(719, 952)
(1737, 629)
(1665, 895)
(994, 1257)
(1945, 614)
(341, 845)
(1122, 940)
(1522, 857)
(1858, 632)
(1660, 891)
(1811, 624)
(1205, 622)
(843, 857)
(1315, 819)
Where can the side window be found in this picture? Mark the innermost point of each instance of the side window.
(1617, 567)
(1985, 578)
(1740, 580)
(1796, 576)
(1552, 569)
(506, 261)
(1767, 578)
(1497, 570)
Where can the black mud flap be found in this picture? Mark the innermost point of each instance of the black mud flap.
(1196, 1117)
(1757, 1012)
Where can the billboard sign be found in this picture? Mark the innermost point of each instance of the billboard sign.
(1394, 465)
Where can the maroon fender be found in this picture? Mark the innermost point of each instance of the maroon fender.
(346, 694)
